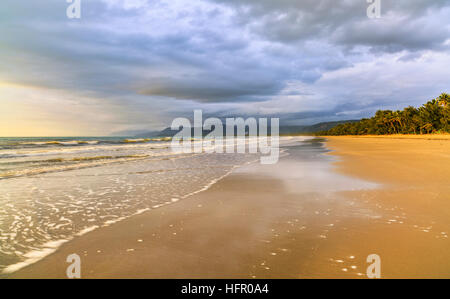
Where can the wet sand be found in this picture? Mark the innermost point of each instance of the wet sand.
(296, 219)
(415, 173)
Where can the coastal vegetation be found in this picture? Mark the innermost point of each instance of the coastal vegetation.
(432, 117)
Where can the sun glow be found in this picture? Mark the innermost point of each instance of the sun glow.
(32, 111)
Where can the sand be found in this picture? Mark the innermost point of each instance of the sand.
(415, 172)
(261, 222)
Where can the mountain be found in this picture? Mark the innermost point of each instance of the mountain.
(129, 133)
(284, 130)
(167, 132)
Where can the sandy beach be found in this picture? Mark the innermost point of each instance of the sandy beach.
(414, 171)
(210, 139)
(315, 214)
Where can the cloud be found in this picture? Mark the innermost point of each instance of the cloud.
(149, 61)
(206, 89)
(405, 24)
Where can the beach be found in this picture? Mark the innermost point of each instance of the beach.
(414, 171)
(318, 213)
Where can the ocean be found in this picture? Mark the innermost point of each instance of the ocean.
(54, 189)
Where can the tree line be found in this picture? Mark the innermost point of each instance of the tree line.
(432, 117)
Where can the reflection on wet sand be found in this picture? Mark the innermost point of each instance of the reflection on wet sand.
(295, 219)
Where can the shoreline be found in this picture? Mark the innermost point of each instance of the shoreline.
(214, 198)
(51, 247)
(257, 223)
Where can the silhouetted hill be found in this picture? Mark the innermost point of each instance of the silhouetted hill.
(284, 130)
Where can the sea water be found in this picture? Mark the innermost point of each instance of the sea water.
(54, 189)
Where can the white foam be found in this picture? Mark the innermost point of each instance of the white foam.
(87, 230)
(35, 255)
(50, 247)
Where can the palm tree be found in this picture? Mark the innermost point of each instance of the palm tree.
(433, 116)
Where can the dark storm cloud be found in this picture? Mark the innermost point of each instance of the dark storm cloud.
(207, 89)
(405, 24)
(302, 59)
(394, 35)
(206, 62)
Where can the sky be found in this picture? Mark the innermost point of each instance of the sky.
(134, 65)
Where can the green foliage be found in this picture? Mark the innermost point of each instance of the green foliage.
(432, 117)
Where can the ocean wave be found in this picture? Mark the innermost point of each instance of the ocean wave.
(77, 159)
(7, 156)
(70, 164)
(61, 164)
(18, 144)
(65, 150)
